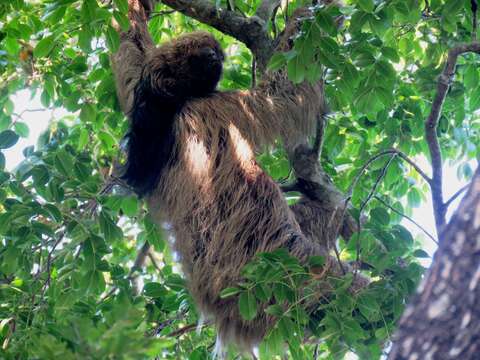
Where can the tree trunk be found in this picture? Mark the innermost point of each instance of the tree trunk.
(443, 319)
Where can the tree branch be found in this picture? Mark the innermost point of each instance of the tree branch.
(266, 9)
(414, 165)
(406, 217)
(456, 195)
(138, 265)
(444, 81)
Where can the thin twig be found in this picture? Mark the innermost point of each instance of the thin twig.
(414, 165)
(161, 13)
(61, 235)
(377, 182)
(456, 195)
(408, 218)
(153, 261)
(368, 198)
(365, 166)
(188, 328)
(337, 255)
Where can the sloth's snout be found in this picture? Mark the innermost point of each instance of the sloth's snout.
(209, 54)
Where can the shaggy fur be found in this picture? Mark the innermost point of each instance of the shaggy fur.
(192, 151)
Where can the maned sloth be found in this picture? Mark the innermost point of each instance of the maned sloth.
(191, 154)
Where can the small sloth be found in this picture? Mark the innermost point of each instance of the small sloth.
(191, 154)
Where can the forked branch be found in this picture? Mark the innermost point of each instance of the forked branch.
(444, 81)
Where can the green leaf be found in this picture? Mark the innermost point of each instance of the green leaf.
(364, 59)
(8, 138)
(8, 107)
(452, 7)
(122, 20)
(109, 229)
(94, 281)
(122, 5)
(277, 61)
(22, 129)
(44, 47)
(380, 215)
(175, 282)
(228, 292)
(247, 305)
(471, 77)
(414, 197)
(113, 39)
(326, 23)
(475, 99)
(391, 54)
(367, 102)
(88, 10)
(366, 5)
(88, 113)
(419, 253)
(154, 290)
(263, 292)
(83, 139)
(286, 327)
(154, 235)
(316, 261)
(54, 212)
(81, 171)
(296, 70)
(40, 175)
(64, 162)
(275, 310)
(368, 306)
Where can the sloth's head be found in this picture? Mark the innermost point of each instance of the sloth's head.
(189, 66)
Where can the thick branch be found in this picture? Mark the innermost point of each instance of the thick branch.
(266, 9)
(431, 123)
(443, 319)
(251, 31)
(138, 266)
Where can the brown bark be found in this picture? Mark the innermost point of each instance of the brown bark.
(443, 319)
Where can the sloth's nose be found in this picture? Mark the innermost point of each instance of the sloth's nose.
(210, 54)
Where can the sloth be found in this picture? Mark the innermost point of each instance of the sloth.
(191, 155)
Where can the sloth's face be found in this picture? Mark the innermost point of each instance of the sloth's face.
(203, 62)
(206, 68)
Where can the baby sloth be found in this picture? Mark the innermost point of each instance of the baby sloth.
(191, 154)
